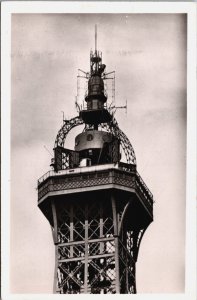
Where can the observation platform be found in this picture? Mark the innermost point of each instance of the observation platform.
(122, 178)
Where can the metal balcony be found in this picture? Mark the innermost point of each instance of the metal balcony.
(120, 176)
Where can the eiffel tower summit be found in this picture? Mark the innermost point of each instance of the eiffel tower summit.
(97, 204)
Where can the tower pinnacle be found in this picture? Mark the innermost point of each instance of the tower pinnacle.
(96, 112)
(95, 38)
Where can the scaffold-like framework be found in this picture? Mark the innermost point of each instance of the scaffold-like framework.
(96, 249)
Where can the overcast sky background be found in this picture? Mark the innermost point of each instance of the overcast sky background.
(148, 53)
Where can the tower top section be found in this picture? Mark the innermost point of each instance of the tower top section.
(101, 141)
(96, 97)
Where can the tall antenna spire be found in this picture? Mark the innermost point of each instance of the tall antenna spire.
(95, 37)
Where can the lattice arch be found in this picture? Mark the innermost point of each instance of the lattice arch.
(109, 127)
(65, 129)
(124, 141)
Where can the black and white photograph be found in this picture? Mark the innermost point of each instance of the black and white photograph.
(100, 200)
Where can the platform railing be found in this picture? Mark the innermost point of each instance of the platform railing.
(122, 166)
(76, 171)
(95, 176)
(144, 185)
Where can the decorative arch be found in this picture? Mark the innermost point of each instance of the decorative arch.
(65, 129)
(112, 127)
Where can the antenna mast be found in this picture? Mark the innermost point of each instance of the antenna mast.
(95, 37)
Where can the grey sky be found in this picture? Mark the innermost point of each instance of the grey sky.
(148, 53)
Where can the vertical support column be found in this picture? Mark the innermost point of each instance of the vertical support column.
(71, 229)
(55, 240)
(115, 221)
(137, 236)
(134, 283)
(101, 244)
(132, 248)
(127, 275)
(101, 228)
(86, 251)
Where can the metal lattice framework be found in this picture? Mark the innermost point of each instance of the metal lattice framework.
(112, 127)
(96, 252)
(65, 129)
